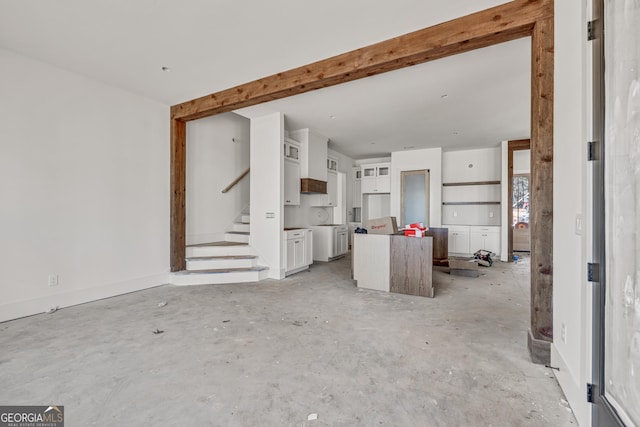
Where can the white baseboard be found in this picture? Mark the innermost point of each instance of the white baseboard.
(576, 394)
(15, 310)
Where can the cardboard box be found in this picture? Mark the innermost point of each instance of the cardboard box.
(384, 225)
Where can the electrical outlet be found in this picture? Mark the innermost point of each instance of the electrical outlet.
(53, 280)
(563, 333)
(491, 214)
(455, 213)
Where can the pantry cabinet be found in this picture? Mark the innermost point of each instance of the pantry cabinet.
(291, 182)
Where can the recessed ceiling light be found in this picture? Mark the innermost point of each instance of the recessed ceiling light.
(444, 96)
(167, 69)
(332, 117)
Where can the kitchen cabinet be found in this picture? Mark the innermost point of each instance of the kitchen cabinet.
(342, 242)
(291, 149)
(487, 238)
(469, 239)
(459, 240)
(331, 198)
(357, 188)
(298, 253)
(291, 182)
(376, 178)
(313, 153)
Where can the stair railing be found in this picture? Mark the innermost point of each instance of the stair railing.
(237, 180)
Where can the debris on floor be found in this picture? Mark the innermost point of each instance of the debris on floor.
(226, 321)
(162, 304)
(52, 310)
(312, 417)
(158, 331)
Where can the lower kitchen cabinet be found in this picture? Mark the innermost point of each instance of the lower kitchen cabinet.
(467, 239)
(459, 240)
(298, 250)
(486, 238)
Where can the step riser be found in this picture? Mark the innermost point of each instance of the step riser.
(232, 237)
(211, 264)
(218, 278)
(245, 218)
(202, 251)
(240, 227)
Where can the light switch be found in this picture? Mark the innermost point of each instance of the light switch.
(579, 224)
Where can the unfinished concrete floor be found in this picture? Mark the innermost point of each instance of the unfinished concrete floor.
(272, 353)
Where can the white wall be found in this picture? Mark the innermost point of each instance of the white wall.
(214, 160)
(571, 292)
(431, 159)
(504, 216)
(267, 191)
(521, 162)
(84, 183)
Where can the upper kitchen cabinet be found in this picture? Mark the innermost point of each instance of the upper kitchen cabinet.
(331, 198)
(313, 157)
(291, 150)
(376, 178)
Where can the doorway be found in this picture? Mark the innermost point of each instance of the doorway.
(519, 178)
(520, 210)
(414, 197)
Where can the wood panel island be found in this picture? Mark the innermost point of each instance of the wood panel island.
(394, 263)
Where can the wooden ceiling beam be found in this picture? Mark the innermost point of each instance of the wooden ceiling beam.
(492, 26)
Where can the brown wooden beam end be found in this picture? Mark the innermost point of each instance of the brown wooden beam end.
(178, 193)
(492, 26)
(541, 185)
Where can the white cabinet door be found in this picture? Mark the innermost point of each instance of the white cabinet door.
(308, 250)
(291, 183)
(459, 240)
(332, 189)
(299, 250)
(476, 241)
(291, 254)
(341, 243)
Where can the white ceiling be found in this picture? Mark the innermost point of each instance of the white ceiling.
(211, 45)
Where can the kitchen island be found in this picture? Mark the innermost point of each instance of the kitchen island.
(394, 263)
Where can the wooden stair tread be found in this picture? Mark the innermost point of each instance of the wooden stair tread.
(222, 257)
(224, 270)
(223, 243)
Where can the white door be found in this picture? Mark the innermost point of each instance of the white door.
(617, 194)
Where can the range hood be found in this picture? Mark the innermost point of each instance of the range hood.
(312, 186)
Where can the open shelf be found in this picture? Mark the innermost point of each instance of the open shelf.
(471, 203)
(452, 184)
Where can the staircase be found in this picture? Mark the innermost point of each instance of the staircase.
(229, 261)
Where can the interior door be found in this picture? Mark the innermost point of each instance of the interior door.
(617, 216)
(414, 197)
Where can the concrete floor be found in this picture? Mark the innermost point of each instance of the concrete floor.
(272, 353)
